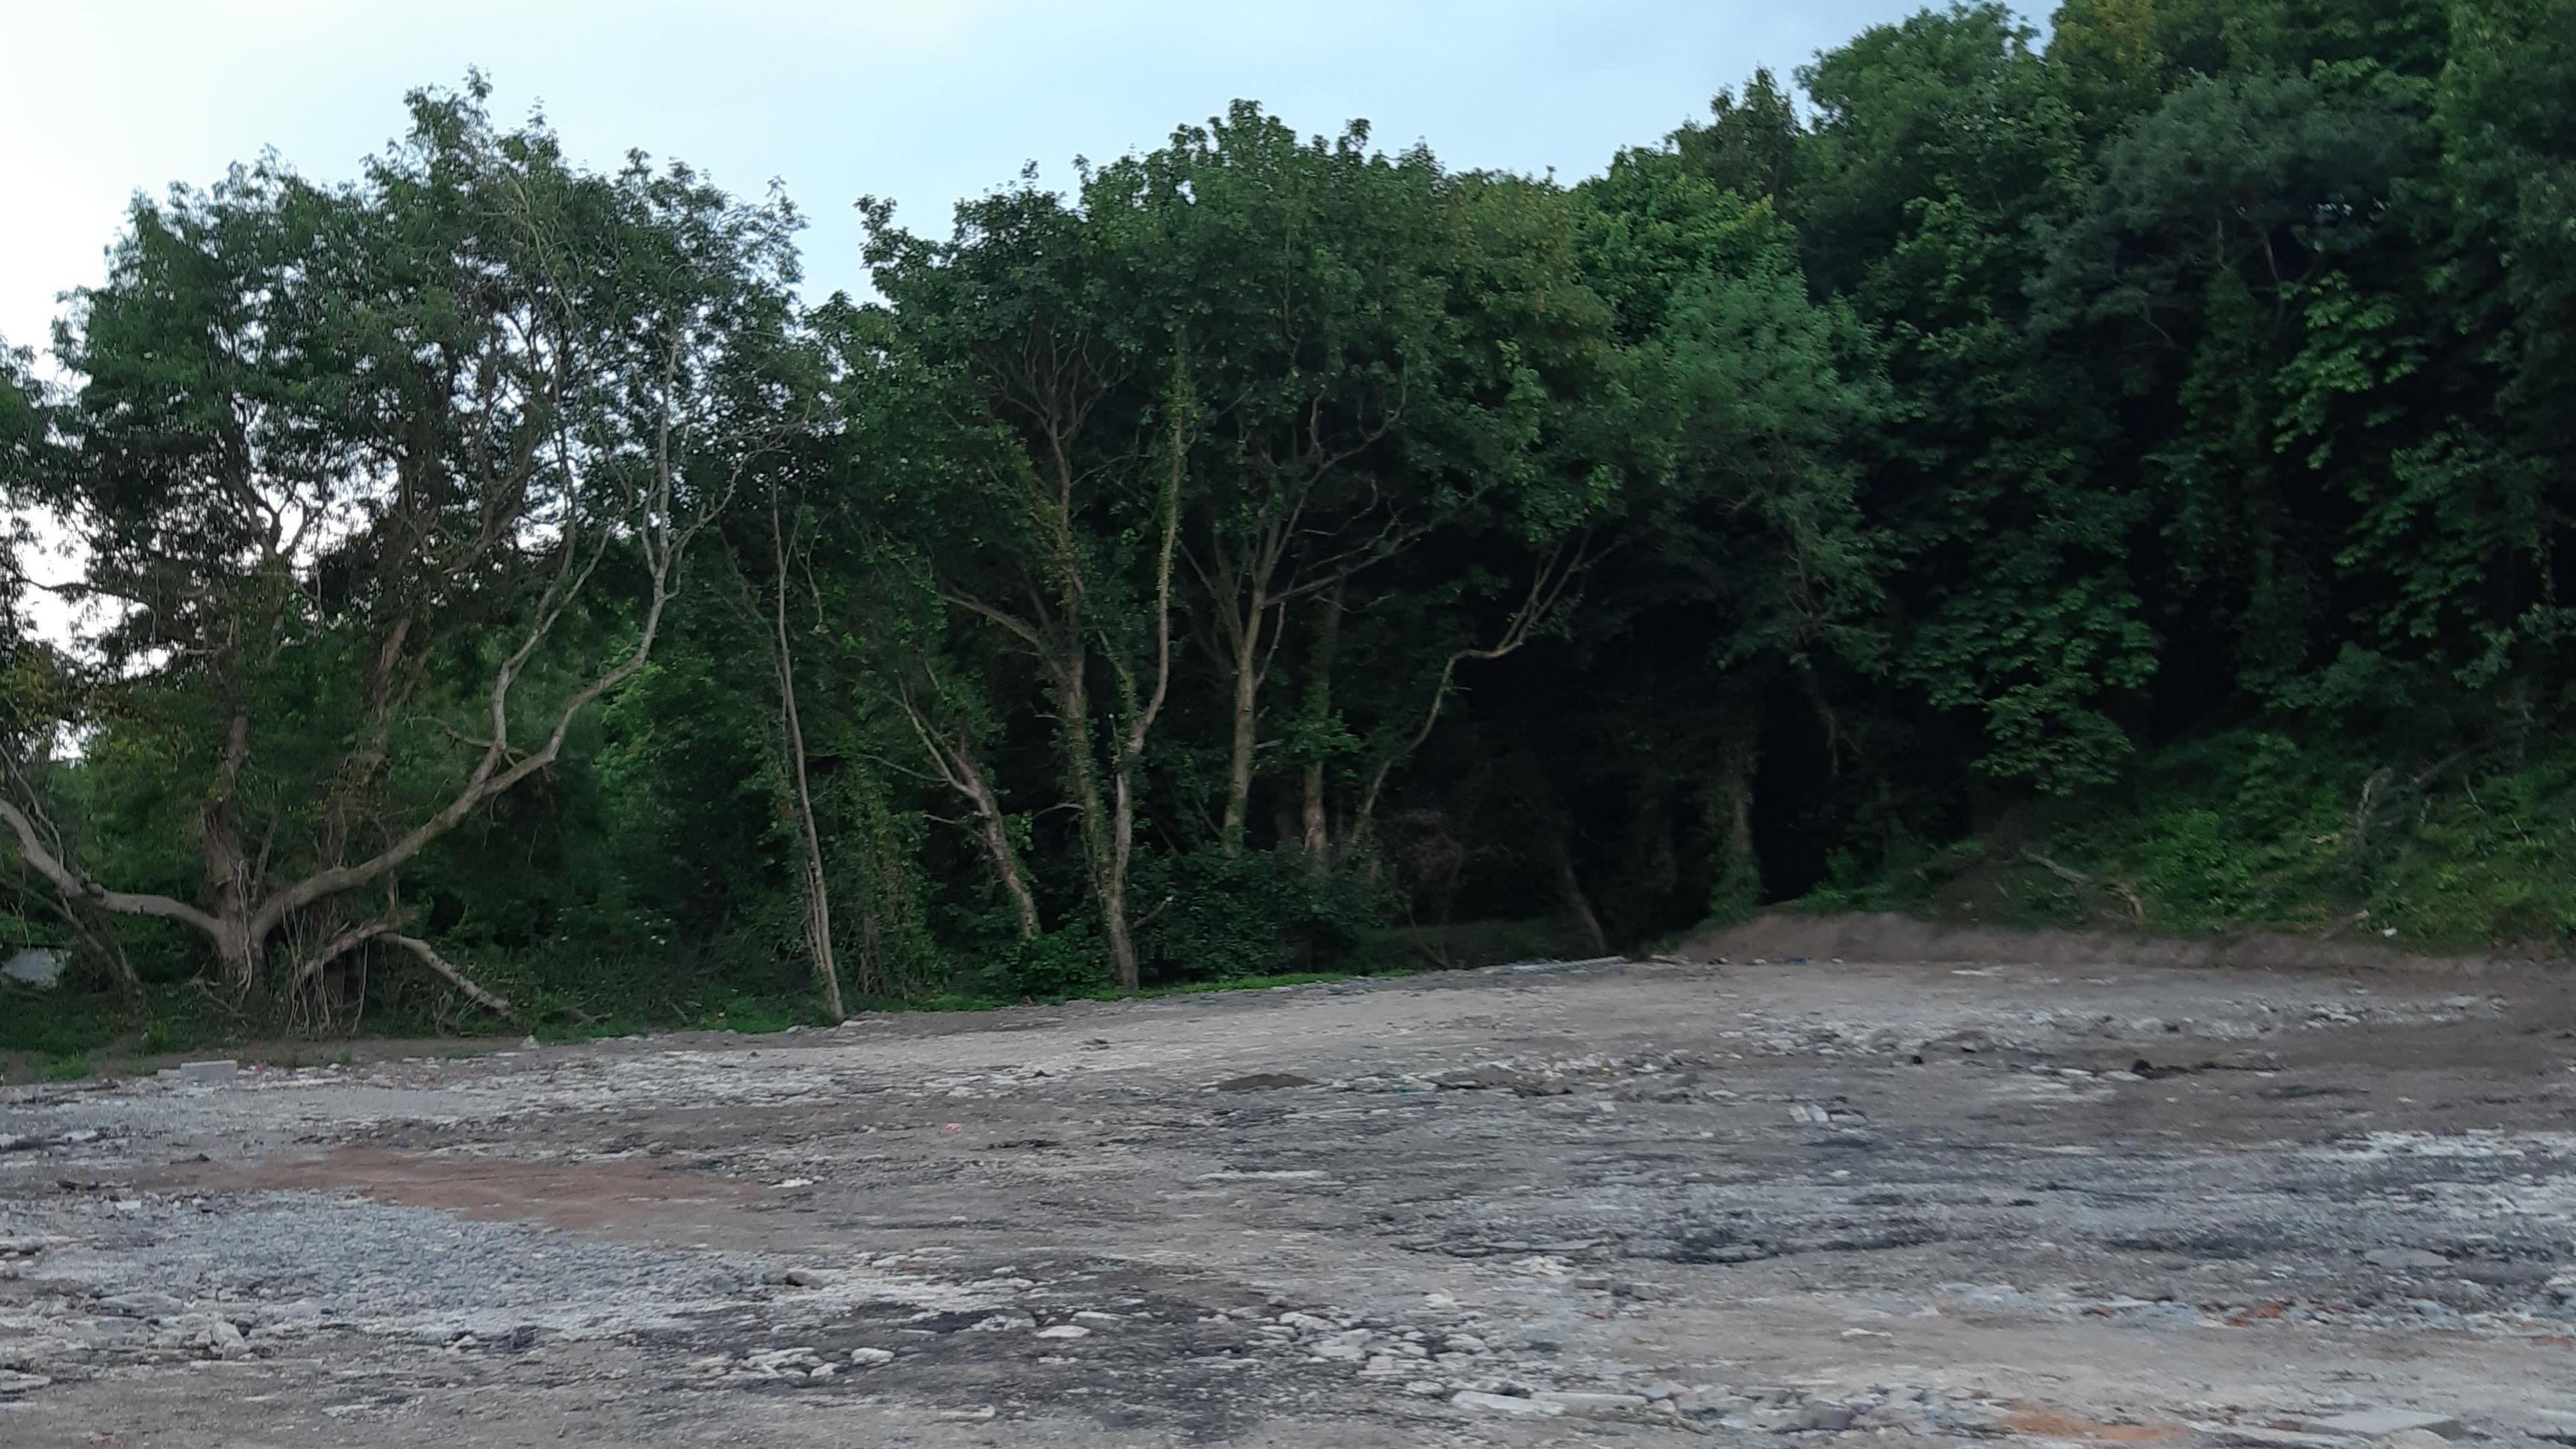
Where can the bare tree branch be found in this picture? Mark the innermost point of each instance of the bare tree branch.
(31, 846)
(1548, 584)
(429, 957)
(341, 945)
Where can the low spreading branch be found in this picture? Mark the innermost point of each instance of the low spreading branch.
(430, 958)
(341, 945)
(32, 847)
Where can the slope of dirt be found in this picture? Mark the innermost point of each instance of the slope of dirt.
(2071, 1202)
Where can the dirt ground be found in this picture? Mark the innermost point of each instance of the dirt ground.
(2097, 1204)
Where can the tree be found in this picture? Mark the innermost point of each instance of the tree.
(1940, 145)
(1525, 455)
(354, 466)
(784, 556)
(1064, 529)
(1739, 566)
(1304, 285)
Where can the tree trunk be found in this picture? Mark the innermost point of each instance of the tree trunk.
(1108, 826)
(1113, 899)
(429, 957)
(1316, 837)
(995, 831)
(1139, 716)
(1572, 887)
(1328, 638)
(1245, 637)
(818, 889)
(954, 759)
(1103, 847)
(1737, 892)
(227, 865)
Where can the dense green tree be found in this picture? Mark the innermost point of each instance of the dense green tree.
(345, 464)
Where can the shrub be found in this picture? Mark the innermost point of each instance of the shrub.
(1207, 916)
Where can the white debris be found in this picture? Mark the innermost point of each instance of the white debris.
(1505, 1404)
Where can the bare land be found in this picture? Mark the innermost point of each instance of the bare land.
(2093, 1203)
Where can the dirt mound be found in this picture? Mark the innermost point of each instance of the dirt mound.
(1888, 937)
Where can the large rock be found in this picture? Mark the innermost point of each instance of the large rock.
(1592, 1405)
(1505, 1404)
(37, 966)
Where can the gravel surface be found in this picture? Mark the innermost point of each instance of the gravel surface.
(2081, 1203)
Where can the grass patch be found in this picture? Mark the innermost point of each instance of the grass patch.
(60, 1024)
(2251, 830)
(59, 1037)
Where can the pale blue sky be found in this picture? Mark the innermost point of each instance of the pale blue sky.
(921, 100)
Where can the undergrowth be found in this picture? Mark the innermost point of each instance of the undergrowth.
(61, 1035)
(2252, 831)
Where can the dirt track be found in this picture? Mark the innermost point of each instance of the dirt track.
(1512, 1207)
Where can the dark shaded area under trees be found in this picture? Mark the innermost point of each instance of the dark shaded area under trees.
(2114, 479)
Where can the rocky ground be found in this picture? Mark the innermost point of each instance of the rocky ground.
(2108, 1205)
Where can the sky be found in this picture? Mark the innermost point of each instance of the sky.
(924, 101)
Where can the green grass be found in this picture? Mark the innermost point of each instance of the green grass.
(63, 1034)
(58, 1024)
(2251, 831)
(59, 1036)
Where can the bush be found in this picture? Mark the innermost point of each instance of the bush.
(2258, 830)
(1068, 962)
(1207, 916)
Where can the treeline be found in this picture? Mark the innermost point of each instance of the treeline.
(498, 588)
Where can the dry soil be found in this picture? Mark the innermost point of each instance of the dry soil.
(1667, 1201)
